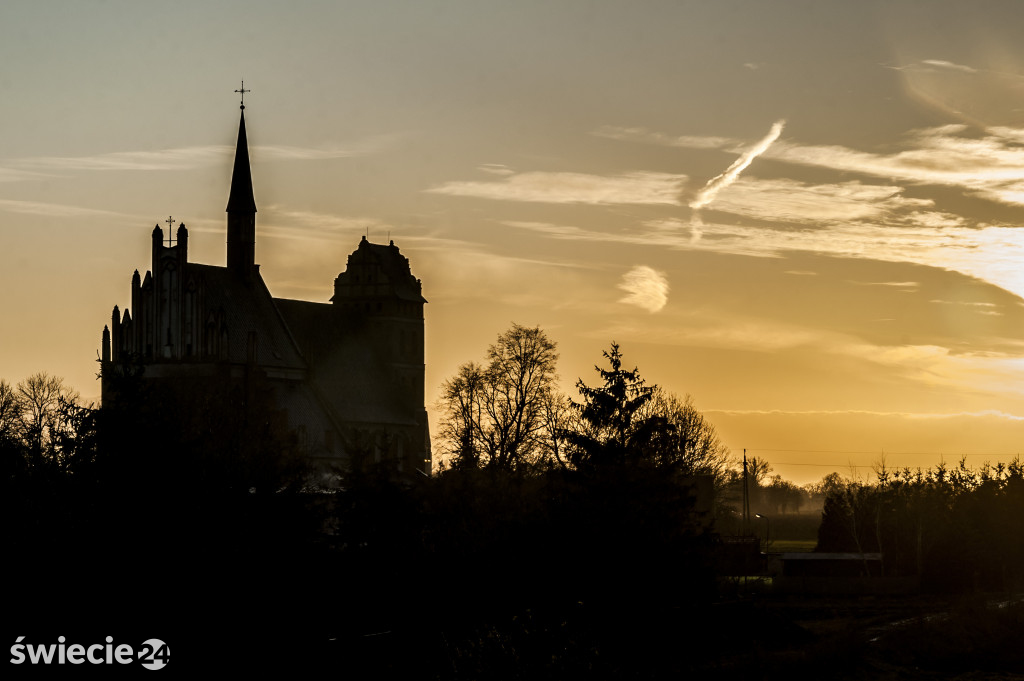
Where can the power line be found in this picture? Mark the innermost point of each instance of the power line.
(826, 465)
(883, 452)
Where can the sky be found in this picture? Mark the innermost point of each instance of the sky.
(806, 215)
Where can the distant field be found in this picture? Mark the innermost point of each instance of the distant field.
(792, 545)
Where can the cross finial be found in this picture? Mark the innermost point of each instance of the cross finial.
(170, 229)
(242, 92)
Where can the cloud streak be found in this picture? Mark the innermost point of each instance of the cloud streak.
(636, 134)
(55, 210)
(707, 194)
(15, 175)
(495, 169)
(183, 158)
(784, 200)
(990, 166)
(943, 64)
(186, 158)
(546, 187)
(287, 153)
(987, 413)
(988, 253)
(286, 223)
(997, 373)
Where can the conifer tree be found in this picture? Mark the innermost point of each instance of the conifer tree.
(614, 427)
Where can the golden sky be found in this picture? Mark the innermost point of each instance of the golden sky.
(804, 214)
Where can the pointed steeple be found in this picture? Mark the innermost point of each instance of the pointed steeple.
(241, 211)
(241, 198)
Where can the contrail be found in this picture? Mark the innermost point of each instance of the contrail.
(717, 184)
(696, 228)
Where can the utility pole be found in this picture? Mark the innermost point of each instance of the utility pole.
(746, 497)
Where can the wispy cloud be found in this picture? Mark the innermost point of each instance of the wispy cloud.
(994, 372)
(546, 187)
(464, 270)
(990, 165)
(989, 253)
(992, 254)
(989, 309)
(963, 302)
(939, 64)
(893, 284)
(853, 219)
(183, 158)
(495, 169)
(636, 134)
(998, 373)
(646, 288)
(560, 231)
(17, 175)
(784, 200)
(289, 153)
(282, 222)
(457, 268)
(976, 93)
(986, 413)
(707, 194)
(56, 210)
(188, 158)
(708, 331)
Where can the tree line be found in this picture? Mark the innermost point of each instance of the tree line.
(956, 527)
(44, 426)
(506, 414)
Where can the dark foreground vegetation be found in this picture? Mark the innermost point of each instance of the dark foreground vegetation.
(575, 547)
(466, 576)
(957, 529)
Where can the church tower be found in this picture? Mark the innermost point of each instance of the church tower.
(378, 287)
(241, 211)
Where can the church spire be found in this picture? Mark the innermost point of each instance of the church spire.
(241, 198)
(241, 209)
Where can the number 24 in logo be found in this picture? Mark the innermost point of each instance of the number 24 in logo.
(155, 654)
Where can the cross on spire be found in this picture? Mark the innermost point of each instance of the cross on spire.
(243, 91)
(170, 229)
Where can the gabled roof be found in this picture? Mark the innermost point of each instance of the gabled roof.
(247, 308)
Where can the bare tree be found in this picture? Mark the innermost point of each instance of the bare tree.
(560, 418)
(461, 427)
(10, 413)
(44, 412)
(498, 415)
(689, 444)
(758, 470)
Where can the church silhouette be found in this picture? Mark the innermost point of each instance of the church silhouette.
(344, 378)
